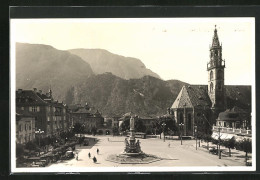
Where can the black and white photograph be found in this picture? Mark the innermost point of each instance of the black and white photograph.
(132, 94)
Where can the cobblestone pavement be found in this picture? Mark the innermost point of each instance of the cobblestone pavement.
(174, 156)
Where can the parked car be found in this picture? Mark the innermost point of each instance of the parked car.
(69, 154)
(213, 150)
(86, 142)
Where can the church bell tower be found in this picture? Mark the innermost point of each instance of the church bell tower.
(215, 68)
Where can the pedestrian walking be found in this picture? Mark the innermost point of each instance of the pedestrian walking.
(89, 155)
(97, 151)
(107, 139)
(77, 157)
(94, 159)
(169, 145)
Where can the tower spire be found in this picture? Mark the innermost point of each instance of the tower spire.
(50, 91)
(215, 41)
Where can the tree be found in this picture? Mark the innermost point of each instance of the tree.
(230, 144)
(139, 126)
(246, 146)
(158, 127)
(207, 138)
(77, 128)
(30, 146)
(109, 123)
(94, 130)
(115, 131)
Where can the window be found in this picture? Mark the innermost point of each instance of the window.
(34, 108)
(211, 75)
(189, 121)
(216, 52)
(181, 118)
(211, 87)
(22, 108)
(20, 128)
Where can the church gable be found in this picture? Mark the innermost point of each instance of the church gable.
(199, 96)
(182, 100)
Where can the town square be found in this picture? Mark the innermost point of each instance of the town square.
(82, 106)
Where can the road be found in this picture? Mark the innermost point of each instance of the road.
(176, 155)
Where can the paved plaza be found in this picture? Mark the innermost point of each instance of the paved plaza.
(173, 156)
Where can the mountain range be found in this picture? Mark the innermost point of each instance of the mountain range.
(102, 61)
(111, 83)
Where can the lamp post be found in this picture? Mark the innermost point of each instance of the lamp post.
(219, 152)
(195, 130)
(181, 127)
(163, 124)
(39, 132)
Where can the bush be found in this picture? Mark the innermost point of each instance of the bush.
(31, 146)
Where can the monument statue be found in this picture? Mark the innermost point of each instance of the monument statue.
(132, 123)
(132, 147)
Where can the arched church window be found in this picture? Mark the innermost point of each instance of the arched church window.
(189, 121)
(211, 75)
(216, 52)
(181, 118)
(211, 87)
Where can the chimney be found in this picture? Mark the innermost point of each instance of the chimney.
(40, 91)
(20, 91)
(35, 89)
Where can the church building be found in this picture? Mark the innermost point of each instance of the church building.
(200, 105)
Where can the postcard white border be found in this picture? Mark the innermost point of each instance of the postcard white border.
(130, 169)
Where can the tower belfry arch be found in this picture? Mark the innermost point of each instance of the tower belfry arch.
(215, 68)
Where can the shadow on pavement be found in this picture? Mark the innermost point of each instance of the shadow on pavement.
(92, 142)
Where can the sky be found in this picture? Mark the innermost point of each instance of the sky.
(174, 48)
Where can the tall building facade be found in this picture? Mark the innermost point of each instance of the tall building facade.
(215, 68)
(50, 115)
(200, 105)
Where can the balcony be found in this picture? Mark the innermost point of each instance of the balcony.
(243, 132)
(214, 64)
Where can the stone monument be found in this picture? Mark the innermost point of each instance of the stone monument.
(132, 147)
(132, 152)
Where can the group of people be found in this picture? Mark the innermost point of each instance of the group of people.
(89, 156)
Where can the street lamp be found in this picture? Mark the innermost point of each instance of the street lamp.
(195, 130)
(39, 132)
(219, 152)
(82, 129)
(163, 124)
(181, 127)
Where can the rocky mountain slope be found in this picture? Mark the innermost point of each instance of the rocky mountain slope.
(41, 66)
(73, 81)
(102, 61)
(112, 95)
